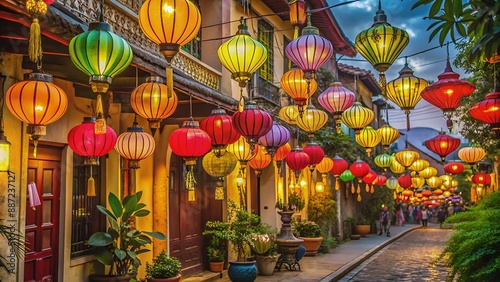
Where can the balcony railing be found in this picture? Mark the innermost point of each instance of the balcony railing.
(266, 90)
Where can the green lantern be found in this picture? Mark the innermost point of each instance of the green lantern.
(384, 161)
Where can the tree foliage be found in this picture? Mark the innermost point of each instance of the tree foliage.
(475, 19)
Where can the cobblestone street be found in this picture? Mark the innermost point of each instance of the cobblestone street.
(408, 259)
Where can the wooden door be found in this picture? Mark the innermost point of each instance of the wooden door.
(187, 218)
(42, 223)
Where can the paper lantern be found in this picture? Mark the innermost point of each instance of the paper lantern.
(442, 144)
(315, 153)
(252, 123)
(219, 167)
(312, 120)
(417, 182)
(275, 138)
(368, 179)
(392, 183)
(289, 114)
(406, 157)
(419, 165)
(83, 140)
(135, 145)
(297, 87)
(357, 117)
(261, 160)
(297, 160)
(426, 193)
(405, 181)
(396, 167)
(488, 111)
(380, 180)
(384, 161)
(428, 172)
(242, 151)
(434, 181)
(324, 167)
(281, 154)
(339, 166)
(389, 135)
(454, 168)
(471, 155)
(336, 99)
(481, 179)
(346, 176)
(368, 138)
(219, 127)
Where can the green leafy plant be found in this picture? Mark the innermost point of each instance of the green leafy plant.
(328, 244)
(473, 251)
(264, 241)
(16, 244)
(163, 266)
(306, 228)
(295, 203)
(218, 233)
(120, 245)
(242, 224)
(215, 254)
(322, 209)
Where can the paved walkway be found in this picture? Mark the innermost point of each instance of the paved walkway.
(333, 266)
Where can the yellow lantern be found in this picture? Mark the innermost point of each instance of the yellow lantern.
(296, 86)
(446, 177)
(389, 135)
(357, 117)
(434, 181)
(428, 172)
(312, 120)
(396, 167)
(241, 149)
(405, 91)
(289, 114)
(471, 155)
(419, 165)
(324, 167)
(170, 24)
(219, 166)
(368, 138)
(417, 182)
(406, 157)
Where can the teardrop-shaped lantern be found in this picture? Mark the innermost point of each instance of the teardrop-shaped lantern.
(315, 153)
(312, 120)
(252, 123)
(381, 44)
(471, 155)
(389, 135)
(368, 138)
(454, 168)
(261, 160)
(275, 138)
(296, 86)
(219, 127)
(357, 117)
(488, 111)
(289, 114)
(405, 91)
(419, 165)
(219, 167)
(336, 99)
(151, 101)
(406, 157)
(297, 160)
(384, 161)
(135, 145)
(442, 144)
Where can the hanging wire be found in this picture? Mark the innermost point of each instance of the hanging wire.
(2, 99)
(190, 106)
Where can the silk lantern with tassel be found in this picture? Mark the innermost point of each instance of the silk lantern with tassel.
(281, 154)
(336, 99)
(297, 160)
(324, 167)
(219, 126)
(359, 169)
(339, 166)
(368, 179)
(219, 166)
(315, 153)
(275, 138)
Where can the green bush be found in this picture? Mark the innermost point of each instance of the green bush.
(473, 251)
(328, 244)
(163, 266)
(306, 228)
(322, 209)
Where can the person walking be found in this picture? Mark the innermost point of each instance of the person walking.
(384, 222)
(441, 215)
(425, 217)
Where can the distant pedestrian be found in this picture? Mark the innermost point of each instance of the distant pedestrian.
(384, 222)
(441, 215)
(425, 217)
(450, 209)
(415, 215)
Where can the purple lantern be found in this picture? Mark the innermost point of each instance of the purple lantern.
(309, 51)
(336, 99)
(275, 138)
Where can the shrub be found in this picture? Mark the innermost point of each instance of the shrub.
(322, 209)
(328, 244)
(163, 266)
(473, 251)
(307, 228)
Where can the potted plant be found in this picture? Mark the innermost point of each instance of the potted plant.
(163, 269)
(218, 233)
(363, 226)
(266, 250)
(120, 245)
(310, 232)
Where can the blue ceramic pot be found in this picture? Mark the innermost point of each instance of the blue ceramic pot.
(244, 271)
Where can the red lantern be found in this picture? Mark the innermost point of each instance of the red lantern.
(84, 142)
(190, 142)
(447, 91)
(297, 160)
(442, 144)
(380, 180)
(252, 123)
(369, 179)
(454, 168)
(315, 153)
(488, 111)
(339, 166)
(404, 181)
(219, 127)
(426, 193)
(359, 168)
(481, 179)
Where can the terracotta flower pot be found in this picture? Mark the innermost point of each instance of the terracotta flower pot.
(172, 279)
(110, 278)
(216, 266)
(312, 245)
(362, 229)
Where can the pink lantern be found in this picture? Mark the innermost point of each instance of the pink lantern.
(336, 99)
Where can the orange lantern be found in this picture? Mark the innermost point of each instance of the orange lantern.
(261, 160)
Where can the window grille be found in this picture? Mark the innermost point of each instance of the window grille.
(266, 37)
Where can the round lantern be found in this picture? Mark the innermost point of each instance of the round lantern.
(384, 161)
(315, 153)
(446, 92)
(407, 193)
(396, 167)
(339, 166)
(296, 86)
(417, 182)
(346, 176)
(83, 140)
(336, 99)
(381, 44)
(487, 111)
(471, 155)
(37, 102)
(289, 114)
(242, 55)
(454, 168)
(405, 91)
(297, 160)
(324, 167)
(419, 165)
(442, 144)
(481, 179)
(359, 168)
(261, 160)
(309, 51)
(312, 120)
(392, 183)
(428, 172)
(426, 193)
(151, 101)
(357, 117)
(100, 54)
(437, 192)
(135, 145)
(219, 167)
(405, 181)
(368, 179)
(368, 138)
(219, 127)
(281, 154)
(252, 123)
(189, 142)
(434, 181)
(275, 138)
(388, 135)
(241, 149)
(406, 157)
(380, 180)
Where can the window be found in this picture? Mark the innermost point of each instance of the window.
(86, 218)
(193, 47)
(266, 36)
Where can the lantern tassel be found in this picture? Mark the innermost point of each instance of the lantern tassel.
(407, 120)
(100, 122)
(372, 190)
(91, 187)
(382, 82)
(219, 193)
(191, 196)
(353, 189)
(35, 42)
(170, 80)
(337, 184)
(367, 188)
(359, 198)
(358, 190)
(338, 126)
(295, 32)
(35, 145)
(241, 102)
(395, 196)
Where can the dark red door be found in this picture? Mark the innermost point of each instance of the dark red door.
(42, 223)
(187, 218)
